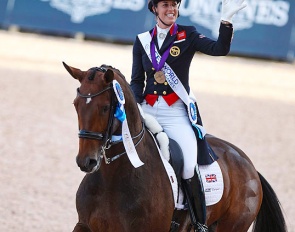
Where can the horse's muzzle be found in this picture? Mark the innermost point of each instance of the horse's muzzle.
(87, 164)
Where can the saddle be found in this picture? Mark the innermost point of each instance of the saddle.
(172, 152)
(169, 148)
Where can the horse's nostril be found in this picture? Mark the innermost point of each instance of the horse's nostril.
(87, 164)
(92, 164)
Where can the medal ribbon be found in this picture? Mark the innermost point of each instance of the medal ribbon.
(163, 59)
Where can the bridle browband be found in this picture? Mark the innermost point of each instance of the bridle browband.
(92, 95)
(106, 137)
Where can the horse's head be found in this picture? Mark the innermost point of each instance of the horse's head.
(96, 103)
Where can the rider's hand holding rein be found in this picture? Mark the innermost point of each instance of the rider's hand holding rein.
(230, 8)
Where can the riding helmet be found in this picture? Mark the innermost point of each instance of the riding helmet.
(152, 3)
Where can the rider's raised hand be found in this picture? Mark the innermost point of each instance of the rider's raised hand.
(230, 8)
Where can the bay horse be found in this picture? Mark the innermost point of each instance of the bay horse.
(114, 196)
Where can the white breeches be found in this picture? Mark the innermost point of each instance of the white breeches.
(175, 122)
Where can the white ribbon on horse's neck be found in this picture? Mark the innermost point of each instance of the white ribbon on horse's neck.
(126, 136)
(129, 146)
(172, 80)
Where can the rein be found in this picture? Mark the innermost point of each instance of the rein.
(109, 160)
(106, 137)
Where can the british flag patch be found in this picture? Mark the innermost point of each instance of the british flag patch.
(181, 35)
(210, 178)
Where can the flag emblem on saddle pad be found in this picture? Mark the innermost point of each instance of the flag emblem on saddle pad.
(210, 178)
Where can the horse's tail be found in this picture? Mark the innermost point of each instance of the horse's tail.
(270, 217)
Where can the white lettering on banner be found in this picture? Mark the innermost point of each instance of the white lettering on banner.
(207, 13)
(80, 9)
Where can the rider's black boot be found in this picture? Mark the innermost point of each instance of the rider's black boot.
(193, 189)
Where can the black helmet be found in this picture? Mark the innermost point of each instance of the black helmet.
(152, 3)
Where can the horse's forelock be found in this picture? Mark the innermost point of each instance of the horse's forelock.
(92, 74)
(103, 68)
(117, 71)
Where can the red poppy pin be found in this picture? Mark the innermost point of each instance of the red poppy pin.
(181, 35)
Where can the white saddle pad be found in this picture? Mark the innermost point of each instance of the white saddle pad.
(213, 185)
(212, 182)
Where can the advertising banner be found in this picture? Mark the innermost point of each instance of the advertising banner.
(265, 28)
(107, 19)
(3, 9)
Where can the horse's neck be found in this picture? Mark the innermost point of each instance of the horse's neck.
(134, 118)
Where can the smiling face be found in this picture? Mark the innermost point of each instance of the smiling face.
(167, 12)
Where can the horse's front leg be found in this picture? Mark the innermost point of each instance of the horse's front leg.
(80, 227)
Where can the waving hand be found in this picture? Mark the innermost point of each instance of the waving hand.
(230, 8)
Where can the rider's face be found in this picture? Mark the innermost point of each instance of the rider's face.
(167, 12)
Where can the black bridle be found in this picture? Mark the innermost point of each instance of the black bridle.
(98, 135)
(106, 137)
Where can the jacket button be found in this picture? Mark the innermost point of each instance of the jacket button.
(155, 83)
(165, 83)
(164, 92)
(155, 92)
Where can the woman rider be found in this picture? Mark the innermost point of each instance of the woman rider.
(160, 82)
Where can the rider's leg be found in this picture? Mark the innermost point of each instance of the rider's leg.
(193, 188)
(176, 124)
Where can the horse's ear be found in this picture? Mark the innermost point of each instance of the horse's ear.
(76, 73)
(109, 76)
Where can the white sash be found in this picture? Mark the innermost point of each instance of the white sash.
(126, 136)
(172, 80)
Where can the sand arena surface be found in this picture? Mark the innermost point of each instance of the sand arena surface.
(248, 102)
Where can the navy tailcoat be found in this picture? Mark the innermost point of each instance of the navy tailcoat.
(188, 41)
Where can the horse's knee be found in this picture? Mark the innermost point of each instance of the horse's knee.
(81, 228)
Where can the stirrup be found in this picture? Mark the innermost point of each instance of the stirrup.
(200, 227)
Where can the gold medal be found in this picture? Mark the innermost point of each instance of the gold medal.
(160, 77)
(174, 51)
